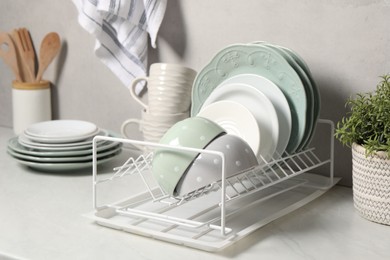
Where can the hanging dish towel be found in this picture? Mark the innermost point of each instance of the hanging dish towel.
(121, 28)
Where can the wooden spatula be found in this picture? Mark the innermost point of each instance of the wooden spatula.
(29, 53)
(26, 54)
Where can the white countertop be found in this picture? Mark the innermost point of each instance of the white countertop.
(41, 218)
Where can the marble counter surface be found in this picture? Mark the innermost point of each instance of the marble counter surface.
(41, 218)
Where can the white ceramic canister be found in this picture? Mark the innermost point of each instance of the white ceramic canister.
(31, 103)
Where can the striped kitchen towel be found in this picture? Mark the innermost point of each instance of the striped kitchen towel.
(121, 28)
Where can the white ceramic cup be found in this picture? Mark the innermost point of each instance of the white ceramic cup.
(169, 88)
(152, 126)
(31, 103)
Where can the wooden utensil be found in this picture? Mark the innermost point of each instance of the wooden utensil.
(29, 52)
(8, 53)
(18, 49)
(50, 47)
(26, 54)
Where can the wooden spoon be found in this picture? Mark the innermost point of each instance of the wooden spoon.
(8, 53)
(50, 47)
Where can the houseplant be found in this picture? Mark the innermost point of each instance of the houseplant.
(366, 128)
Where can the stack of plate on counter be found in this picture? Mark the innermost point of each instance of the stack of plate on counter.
(61, 145)
(261, 92)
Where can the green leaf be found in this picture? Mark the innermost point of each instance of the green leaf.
(368, 120)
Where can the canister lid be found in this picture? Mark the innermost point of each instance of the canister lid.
(43, 84)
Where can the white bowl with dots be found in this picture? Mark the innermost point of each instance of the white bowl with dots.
(169, 165)
(207, 168)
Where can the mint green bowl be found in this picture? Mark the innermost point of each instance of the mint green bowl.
(169, 165)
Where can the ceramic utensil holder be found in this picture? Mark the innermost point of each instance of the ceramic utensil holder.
(31, 103)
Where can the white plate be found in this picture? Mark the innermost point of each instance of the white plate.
(80, 145)
(259, 105)
(14, 145)
(278, 100)
(236, 119)
(61, 131)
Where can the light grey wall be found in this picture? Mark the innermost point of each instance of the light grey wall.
(346, 43)
(83, 87)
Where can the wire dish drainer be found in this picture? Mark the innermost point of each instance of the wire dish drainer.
(215, 216)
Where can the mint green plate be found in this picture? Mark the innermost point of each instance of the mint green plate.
(304, 72)
(263, 61)
(308, 88)
(66, 166)
(316, 91)
(14, 145)
(65, 159)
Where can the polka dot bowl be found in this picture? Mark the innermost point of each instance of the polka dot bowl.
(169, 165)
(207, 168)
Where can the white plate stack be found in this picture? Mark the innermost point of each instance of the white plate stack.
(61, 145)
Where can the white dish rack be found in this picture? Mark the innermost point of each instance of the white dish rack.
(128, 198)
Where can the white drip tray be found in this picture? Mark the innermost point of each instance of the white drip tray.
(197, 223)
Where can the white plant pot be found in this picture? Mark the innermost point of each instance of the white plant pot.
(371, 184)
